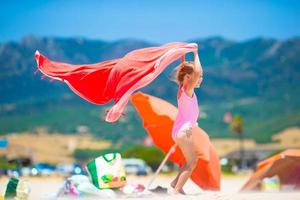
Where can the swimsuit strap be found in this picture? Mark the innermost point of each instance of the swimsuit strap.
(182, 89)
(184, 93)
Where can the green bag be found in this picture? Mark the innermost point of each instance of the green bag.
(107, 171)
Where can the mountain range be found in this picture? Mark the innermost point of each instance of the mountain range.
(257, 78)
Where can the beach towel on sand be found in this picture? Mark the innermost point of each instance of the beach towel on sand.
(116, 79)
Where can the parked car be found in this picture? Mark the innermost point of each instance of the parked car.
(42, 169)
(64, 169)
(14, 172)
(26, 171)
(69, 169)
(78, 169)
(136, 166)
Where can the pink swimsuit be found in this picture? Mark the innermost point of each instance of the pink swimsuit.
(188, 112)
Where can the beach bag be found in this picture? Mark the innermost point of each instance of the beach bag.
(107, 171)
(17, 189)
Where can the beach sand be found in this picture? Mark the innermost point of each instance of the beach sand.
(45, 187)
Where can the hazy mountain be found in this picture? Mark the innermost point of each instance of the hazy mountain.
(262, 71)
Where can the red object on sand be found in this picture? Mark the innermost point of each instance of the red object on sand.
(115, 79)
(158, 117)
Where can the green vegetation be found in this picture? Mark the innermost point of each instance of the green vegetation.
(263, 117)
(6, 165)
(84, 155)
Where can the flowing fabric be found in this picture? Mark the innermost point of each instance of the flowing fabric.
(116, 79)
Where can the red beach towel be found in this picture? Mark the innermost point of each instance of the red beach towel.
(116, 79)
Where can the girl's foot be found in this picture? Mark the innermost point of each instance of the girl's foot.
(173, 192)
(180, 191)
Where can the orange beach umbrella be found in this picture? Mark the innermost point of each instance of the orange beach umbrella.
(286, 165)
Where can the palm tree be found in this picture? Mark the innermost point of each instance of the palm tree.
(237, 126)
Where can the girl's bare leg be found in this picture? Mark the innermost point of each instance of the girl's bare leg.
(184, 176)
(174, 182)
(185, 142)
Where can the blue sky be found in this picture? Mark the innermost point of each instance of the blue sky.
(152, 20)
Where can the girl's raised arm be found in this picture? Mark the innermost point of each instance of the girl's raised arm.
(182, 59)
(197, 64)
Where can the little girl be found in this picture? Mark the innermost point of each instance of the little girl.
(189, 76)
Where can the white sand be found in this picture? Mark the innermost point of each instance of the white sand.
(45, 187)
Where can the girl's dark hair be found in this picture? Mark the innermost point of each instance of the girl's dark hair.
(184, 69)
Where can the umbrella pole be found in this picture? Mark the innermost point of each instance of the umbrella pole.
(172, 150)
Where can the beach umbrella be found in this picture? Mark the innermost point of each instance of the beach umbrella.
(158, 117)
(285, 165)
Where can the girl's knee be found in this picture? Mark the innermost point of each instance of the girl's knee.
(190, 166)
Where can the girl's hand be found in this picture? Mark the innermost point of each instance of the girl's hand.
(182, 59)
(196, 52)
